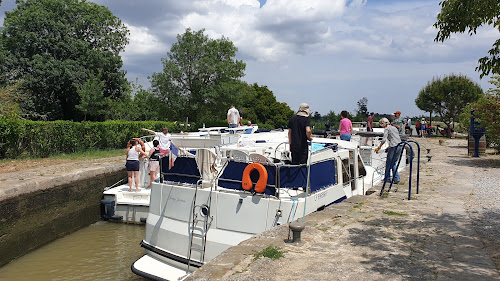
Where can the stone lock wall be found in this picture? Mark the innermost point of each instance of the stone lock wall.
(29, 221)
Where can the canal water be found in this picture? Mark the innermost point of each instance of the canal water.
(101, 251)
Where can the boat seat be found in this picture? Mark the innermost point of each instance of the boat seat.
(255, 157)
(239, 156)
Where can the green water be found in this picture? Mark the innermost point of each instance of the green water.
(102, 251)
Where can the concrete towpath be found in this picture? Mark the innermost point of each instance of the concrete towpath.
(434, 236)
(36, 176)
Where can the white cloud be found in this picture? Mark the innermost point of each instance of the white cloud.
(142, 42)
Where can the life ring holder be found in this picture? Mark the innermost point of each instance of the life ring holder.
(261, 184)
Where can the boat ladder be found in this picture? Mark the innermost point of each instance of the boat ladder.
(200, 224)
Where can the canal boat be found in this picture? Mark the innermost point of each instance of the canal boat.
(120, 204)
(211, 201)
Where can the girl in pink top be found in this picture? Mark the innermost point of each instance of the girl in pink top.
(345, 127)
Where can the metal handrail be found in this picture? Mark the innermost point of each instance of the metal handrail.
(403, 144)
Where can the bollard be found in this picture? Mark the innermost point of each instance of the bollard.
(296, 228)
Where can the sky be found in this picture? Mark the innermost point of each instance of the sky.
(327, 53)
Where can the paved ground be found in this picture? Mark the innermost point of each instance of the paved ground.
(443, 233)
(39, 174)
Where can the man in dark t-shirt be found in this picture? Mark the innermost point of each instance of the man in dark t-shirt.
(299, 132)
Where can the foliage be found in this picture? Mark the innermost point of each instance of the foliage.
(93, 104)
(259, 105)
(362, 110)
(465, 15)
(332, 116)
(198, 76)
(10, 101)
(487, 113)
(56, 46)
(448, 96)
(41, 139)
(271, 252)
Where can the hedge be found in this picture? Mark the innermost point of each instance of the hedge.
(41, 139)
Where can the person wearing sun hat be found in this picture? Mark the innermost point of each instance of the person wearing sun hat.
(299, 132)
(391, 135)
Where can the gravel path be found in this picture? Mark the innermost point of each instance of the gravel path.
(483, 208)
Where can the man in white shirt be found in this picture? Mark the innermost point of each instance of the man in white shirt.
(233, 117)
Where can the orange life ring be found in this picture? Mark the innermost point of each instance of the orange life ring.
(246, 182)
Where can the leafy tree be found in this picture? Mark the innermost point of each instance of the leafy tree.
(93, 104)
(260, 106)
(362, 108)
(332, 116)
(465, 15)
(448, 96)
(56, 46)
(316, 116)
(10, 101)
(196, 75)
(487, 111)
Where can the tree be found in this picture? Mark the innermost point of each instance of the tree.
(487, 111)
(92, 104)
(465, 15)
(196, 73)
(448, 96)
(260, 106)
(56, 46)
(362, 110)
(331, 116)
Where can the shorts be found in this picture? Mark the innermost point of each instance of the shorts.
(154, 165)
(422, 128)
(132, 165)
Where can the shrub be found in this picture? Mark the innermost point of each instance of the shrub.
(41, 139)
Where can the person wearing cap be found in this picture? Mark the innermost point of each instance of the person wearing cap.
(391, 135)
(369, 122)
(299, 132)
(399, 122)
(233, 117)
(345, 127)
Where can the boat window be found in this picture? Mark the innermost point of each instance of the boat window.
(346, 172)
(361, 167)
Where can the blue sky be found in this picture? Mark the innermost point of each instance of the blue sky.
(328, 53)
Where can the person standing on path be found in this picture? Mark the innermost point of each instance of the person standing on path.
(391, 135)
(134, 151)
(408, 126)
(423, 128)
(399, 122)
(233, 117)
(299, 132)
(345, 127)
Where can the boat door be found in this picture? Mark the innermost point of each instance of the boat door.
(348, 175)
